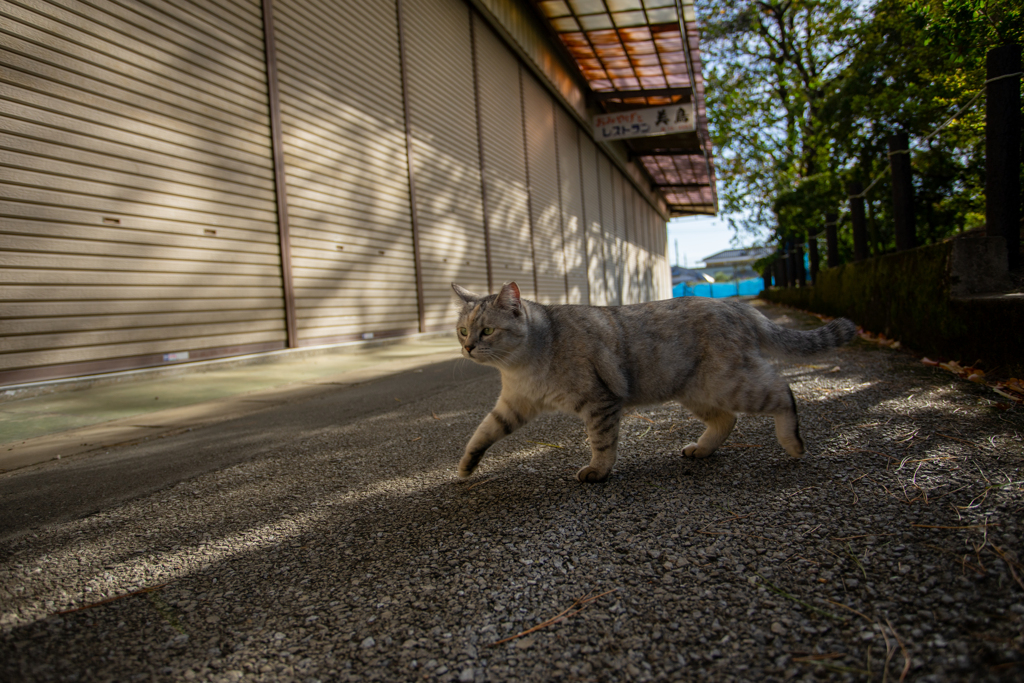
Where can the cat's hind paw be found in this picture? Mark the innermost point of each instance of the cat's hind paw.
(796, 450)
(692, 450)
(592, 475)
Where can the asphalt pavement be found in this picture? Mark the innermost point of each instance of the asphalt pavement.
(319, 533)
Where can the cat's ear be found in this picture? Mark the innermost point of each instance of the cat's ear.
(508, 297)
(464, 293)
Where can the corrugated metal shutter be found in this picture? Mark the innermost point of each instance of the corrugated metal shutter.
(347, 176)
(666, 267)
(644, 281)
(662, 272)
(571, 187)
(636, 236)
(630, 293)
(525, 28)
(136, 187)
(593, 223)
(446, 154)
(612, 225)
(644, 219)
(504, 153)
(542, 162)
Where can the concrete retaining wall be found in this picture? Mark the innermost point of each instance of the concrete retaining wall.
(931, 298)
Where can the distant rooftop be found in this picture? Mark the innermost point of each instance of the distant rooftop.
(736, 257)
(689, 276)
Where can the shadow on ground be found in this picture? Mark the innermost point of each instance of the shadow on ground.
(349, 551)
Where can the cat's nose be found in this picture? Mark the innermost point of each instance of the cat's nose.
(469, 348)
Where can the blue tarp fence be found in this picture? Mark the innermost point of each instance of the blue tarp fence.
(720, 290)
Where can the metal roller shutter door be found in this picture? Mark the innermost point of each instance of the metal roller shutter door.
(658, 250)
(640, 240)
(639, 228)
(545, 212)
(346, 167)
(644, 220)
(593, 224)
(571, 187)
(446, 154)
(643, 265)
(636, 241)
(611, 204)
(504, 161)
(664, 275)
(136, 189)
(650, 257)
(630, 294)
(657, 253)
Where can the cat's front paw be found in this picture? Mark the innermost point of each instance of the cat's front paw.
(692, 450)
(466, 469)
(592, 475)
(469, 462)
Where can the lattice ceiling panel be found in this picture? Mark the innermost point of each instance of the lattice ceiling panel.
(632, 46)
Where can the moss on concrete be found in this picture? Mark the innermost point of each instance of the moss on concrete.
(906, 296)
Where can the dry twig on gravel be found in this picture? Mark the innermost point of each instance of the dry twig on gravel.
(572, 611)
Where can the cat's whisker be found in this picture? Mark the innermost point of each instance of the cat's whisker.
(498, 358)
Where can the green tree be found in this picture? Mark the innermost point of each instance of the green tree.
(918, 62)
(771, 67)
(803, 95)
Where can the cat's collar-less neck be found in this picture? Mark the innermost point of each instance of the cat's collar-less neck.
(539, 332)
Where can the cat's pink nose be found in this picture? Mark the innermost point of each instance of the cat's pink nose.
(469, 348)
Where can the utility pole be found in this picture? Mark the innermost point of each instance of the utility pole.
(1002, 149)
(812, 253)
(902, 191)
(854, 191)
(831, 240)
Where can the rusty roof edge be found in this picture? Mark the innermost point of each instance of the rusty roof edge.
(526, 12)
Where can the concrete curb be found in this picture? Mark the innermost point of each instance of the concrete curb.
(17, 392)
(155, 424)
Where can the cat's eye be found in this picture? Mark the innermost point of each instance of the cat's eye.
(488, 330)
(463, 331)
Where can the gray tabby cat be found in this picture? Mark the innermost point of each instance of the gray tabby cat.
(596, 361)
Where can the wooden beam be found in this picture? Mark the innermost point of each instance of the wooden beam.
(593, 97)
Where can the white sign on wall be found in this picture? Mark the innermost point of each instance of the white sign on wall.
(642, 123)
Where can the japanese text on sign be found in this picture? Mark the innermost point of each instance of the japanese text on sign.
(640, 123)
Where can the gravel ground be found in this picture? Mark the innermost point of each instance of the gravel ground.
(889, 552)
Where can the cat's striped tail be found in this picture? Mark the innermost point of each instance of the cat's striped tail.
(783, 342)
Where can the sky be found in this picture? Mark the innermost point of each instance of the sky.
(697, 237)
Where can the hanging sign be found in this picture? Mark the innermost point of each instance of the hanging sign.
(643, 123)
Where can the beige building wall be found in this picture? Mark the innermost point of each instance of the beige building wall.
(446, 153)
(502, 135)
(570, 186)
(137, 212)
(344, 142)
(612, 223)
(593, 223)
(141, 224)
(545, 204)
